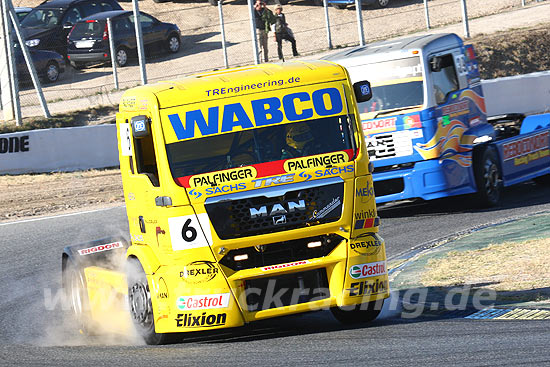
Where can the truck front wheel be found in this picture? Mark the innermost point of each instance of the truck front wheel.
(488, 177)
(74, 286)
(140, 306)
(365, 312)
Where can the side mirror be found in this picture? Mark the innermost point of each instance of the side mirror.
(435, 64)
(140, 126)
(363, 91)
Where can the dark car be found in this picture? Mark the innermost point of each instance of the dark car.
(22, 12)
(89, 38)
(46, 27)
(48, 64)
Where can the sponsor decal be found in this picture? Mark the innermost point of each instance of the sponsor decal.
(225, 189)
(190, 231)
(367, 270)
(334, 171)
(266, 111)
(199, 272)
(216, 178)
(368, 247)
(278, 209)
(379, 126)
(365, 214)
(100, 248)
(189, 321)
(287, 265)
(163, 289)
(475, 121)
(335, 203)
(412, 122)
(368, 288)
(297, 164)
(275, 180)
(364, 223)
(14, 144)
(203, 302)
(251, 86)
(525, 146)
(456, 109)
(365, 193)
(128, 103)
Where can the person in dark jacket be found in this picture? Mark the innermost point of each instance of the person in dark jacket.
(264, 19)
(283, 32)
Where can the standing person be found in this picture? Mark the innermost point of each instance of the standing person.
(283, 32)
(264, 20)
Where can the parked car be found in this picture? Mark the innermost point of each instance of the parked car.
(89, 38)
(22, 12)
(48, 64)
(342, 4)
(46, 27)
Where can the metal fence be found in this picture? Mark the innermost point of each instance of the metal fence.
(201, 48)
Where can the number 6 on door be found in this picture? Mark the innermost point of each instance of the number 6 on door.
(186, 232)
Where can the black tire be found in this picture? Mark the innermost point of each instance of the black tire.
(382, 3)
(140, 306)
(51, 74)
(159, 1)
(76, 294)
(542, 180)
(121, 56)
(213, 2)
(361, 313)
(339, 6)
(488, 177)
(78, 65)
(317, 2)
(173, 43)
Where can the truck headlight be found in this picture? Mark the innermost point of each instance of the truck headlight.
(32, 43)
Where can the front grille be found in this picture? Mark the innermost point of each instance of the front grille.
(281, 252)
(282, 208)
(286, 290)
(388, 187)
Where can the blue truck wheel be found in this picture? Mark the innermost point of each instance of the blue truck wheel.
(488, 177)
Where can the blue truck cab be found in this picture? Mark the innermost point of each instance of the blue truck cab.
(426, 127)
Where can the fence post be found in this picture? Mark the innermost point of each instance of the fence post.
(522, 2)
(112, 49)
(253, 32)
(327, 23)
(465, 19)
(6, 95)
(139, 39)
(427, 14)
(360, 22)
(222, 30)
(28, 60)
(12, 67)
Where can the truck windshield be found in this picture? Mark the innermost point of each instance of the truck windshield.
(395, 84)
(262, 145)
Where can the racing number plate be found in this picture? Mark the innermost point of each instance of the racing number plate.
(389, 145)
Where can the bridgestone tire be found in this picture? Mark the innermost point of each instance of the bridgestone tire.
(488, 177)
(361, 313)
(140, 306)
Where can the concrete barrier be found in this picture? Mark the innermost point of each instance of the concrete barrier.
(78, 148)
(63, 149)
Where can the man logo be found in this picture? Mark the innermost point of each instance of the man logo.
(277, 209)
(280, 219)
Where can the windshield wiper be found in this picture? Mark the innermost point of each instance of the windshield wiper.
(394, 110)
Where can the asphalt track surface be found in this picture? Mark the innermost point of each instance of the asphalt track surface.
(34, 330)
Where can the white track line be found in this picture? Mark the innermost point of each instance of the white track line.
(58, 216)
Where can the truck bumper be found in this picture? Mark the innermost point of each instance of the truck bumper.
(427, 180)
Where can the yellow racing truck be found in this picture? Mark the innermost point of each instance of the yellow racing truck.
(249, 195)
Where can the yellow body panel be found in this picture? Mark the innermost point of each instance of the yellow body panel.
(186, 260)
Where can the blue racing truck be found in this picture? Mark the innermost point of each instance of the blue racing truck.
(426, 126)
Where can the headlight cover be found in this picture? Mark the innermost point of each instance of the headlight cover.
(33, 42)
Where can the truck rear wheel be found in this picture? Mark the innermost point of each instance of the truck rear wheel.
(140, 306)
(365, 312)
(74, 285)
(488, 177)
(542, 180)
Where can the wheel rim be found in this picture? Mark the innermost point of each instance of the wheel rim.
(121, 57)
(383, 3)
(140, 301)
(76, 293)
(52, 73)
(174, 44)
(491, 178)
